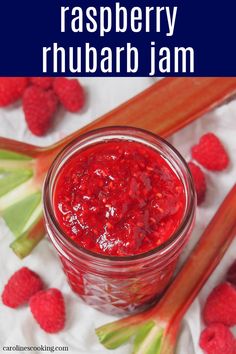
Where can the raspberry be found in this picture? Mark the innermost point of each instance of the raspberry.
(231, 274)
(70, 93)
(43, 82)
(48, 309)
(11, 89)
(210, 153)
(39, 107)
(217, 339)
(20, 287)
(220, 305)
(199, 181)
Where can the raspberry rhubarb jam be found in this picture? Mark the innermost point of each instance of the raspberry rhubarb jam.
(119, 206)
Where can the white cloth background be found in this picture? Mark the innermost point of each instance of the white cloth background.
(18, 326)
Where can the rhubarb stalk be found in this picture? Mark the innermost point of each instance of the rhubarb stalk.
(156, 330)
(163, 108)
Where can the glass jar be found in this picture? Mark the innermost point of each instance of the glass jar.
(114, 284)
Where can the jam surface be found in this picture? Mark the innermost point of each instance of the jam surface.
(118, 198)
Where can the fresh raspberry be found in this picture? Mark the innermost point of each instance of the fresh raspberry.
(39, 107)
(217, 339)
(11, 89)
(43, 82)
(231, 274)
(20, 287)
(48, 309)
(220, 305)
(70, 93)
(199, 181)
(210, 153)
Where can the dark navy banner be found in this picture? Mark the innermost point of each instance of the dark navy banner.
(117, 38)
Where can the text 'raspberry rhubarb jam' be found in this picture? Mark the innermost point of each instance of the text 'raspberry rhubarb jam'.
(119, 206)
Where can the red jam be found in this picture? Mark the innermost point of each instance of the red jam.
(118, 198)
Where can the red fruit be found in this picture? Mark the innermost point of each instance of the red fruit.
(199, 181)
(70, 93)
(220, 305)
(231, 274)
(43, 82)
(210, 153)
(39, 107)
(48, 309)
(11, 89)
(217, 339)
(20, 287)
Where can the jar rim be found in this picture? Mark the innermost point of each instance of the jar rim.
(109, 132)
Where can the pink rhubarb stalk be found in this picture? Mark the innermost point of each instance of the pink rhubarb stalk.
(156, 330)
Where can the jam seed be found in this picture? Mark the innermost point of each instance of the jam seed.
(109, 225)
(140, 224)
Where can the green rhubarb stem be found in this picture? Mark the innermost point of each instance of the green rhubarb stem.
(24, 244)
(168, 313)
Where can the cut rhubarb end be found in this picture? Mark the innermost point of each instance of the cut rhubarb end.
(112, 338)
(114, 334)
(24, 244)
(17, 215)
(148, 339)
(20, 195)
(10, 179)
(149, 336)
